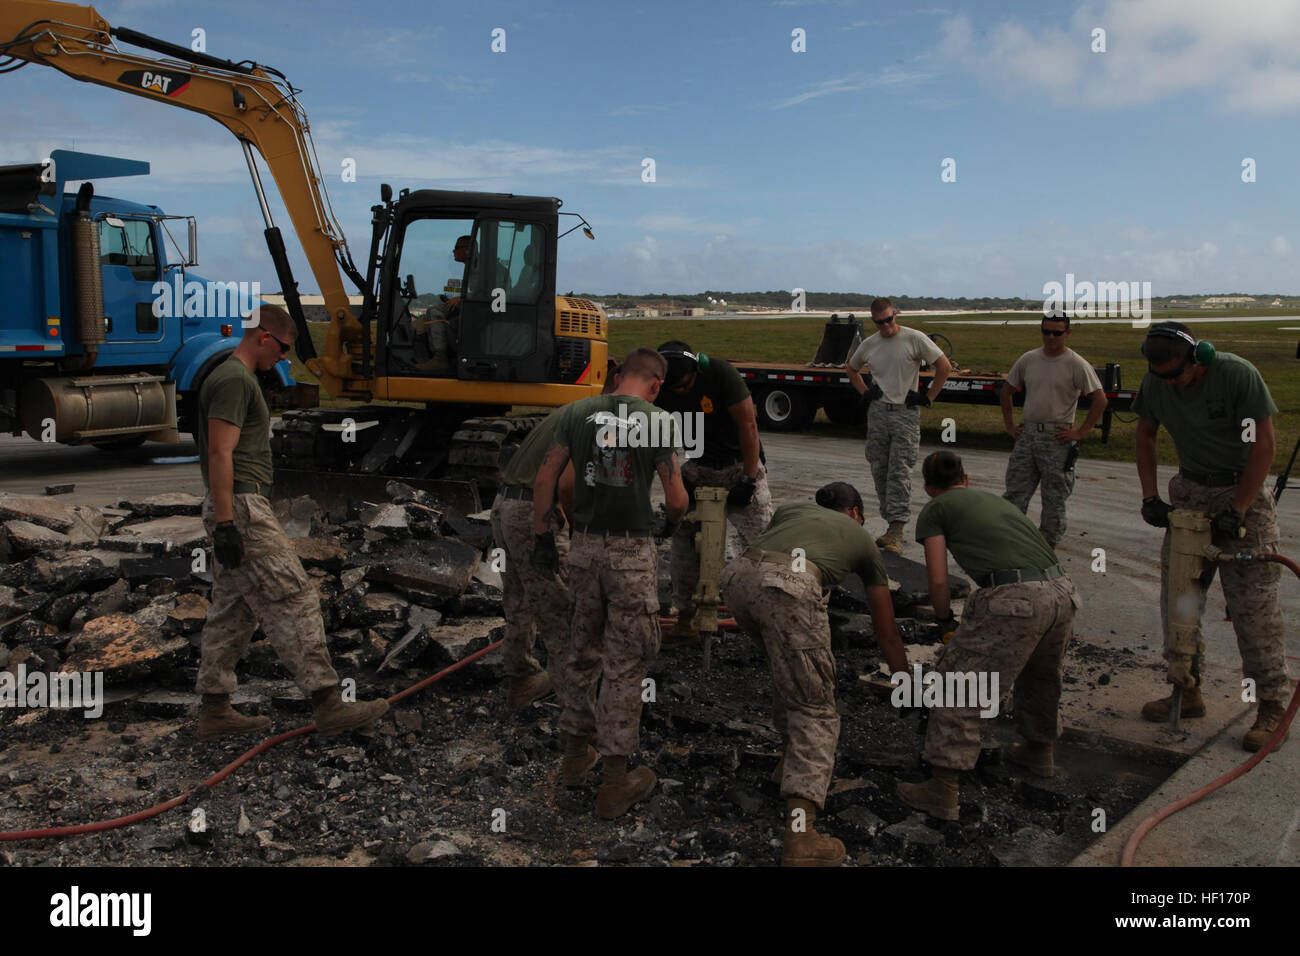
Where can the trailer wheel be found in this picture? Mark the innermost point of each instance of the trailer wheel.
(843, 410)
(784, 410)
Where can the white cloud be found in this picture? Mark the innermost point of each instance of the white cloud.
(1281, 246)
(888, 78)
(1244, 59)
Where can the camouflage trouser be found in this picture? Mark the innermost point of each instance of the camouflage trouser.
(268, 588)
(893, 442)
(613, 584)
(749, 522)
(786, 610)
(1250, 589)
(1018, 632)
(533, 603)
(1039, 457)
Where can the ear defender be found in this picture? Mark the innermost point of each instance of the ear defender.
(703, 360)
(1202, 352)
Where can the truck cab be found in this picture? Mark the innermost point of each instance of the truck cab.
(107, 332)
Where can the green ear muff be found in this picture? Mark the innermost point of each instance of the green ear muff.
(1204, 353)
(704, 360)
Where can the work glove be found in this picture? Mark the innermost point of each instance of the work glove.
(690, 493)
(867, 397)
(1229, 524)
(545, 559)
(741, 495)
(668, 530)
(914, 399)
(227, 544)
(947, 626)
(1156, 512)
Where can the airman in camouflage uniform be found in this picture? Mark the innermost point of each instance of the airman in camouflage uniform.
(257, 578)
(612, 572)
(775, 591)
(1015, 628)
(1047, 443)
(894, 356)
(1220, 414)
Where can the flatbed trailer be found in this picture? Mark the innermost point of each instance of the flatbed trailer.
(787, 397)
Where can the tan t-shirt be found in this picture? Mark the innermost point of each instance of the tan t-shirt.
(1052, 385)
(895, 362)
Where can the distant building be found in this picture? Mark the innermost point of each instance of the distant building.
(641, 312)
(1228, 300)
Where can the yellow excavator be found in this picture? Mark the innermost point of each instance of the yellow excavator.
(504, 337)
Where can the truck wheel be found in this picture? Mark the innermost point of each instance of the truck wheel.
(784, 410)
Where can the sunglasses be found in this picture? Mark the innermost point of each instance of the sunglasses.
(284, 346)
(1057, 333)
(1169, 375)
(883, 321)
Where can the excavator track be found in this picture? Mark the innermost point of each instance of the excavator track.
(343, 455)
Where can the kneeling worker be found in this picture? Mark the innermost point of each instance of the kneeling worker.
(775, 591)
(1015, 628)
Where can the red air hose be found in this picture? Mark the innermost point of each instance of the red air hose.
(225, 771)
(1164, 813)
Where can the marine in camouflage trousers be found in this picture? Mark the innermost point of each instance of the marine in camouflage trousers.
(534, 604)
(613, 584)
(1039, 458)
(1249, 589)
(785, 611)
(893, 443)
(1018, 632)
(749, 522)
(269, 588)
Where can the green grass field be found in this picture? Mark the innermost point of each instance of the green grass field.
(982, 349)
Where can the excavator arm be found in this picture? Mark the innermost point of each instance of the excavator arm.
(256, 103)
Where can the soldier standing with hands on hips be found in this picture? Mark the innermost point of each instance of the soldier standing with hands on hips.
(1220, 414)
(257, 578)
(894, 356)
(1047, 443)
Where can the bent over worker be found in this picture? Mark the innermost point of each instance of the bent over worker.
(257, 578)
(1016, 626)
(778, 590)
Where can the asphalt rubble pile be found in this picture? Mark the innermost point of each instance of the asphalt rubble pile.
(448, 778)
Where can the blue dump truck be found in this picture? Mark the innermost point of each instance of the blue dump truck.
(106, 333)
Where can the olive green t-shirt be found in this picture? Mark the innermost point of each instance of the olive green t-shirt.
(521, 470)
(984, 532)
(714, 391)
(832, 540)
(1205, 419)
(616, 443)
(232, 394)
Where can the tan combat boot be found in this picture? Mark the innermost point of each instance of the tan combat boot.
(1266, 721)
(937, 796)
(333, 715)
(1158, 711)
(804, 846)
(524, 690)
(218, 719)
(892, 540)
(1036, 757)
(619, 789)
(579, 758)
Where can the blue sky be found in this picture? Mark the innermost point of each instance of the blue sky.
(774, 169)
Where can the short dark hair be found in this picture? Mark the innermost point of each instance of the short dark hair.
(1161, 346)
(942, 470)
(839, 496)
(880, 304)
(643, 363)
(460, 239)
(1056, 318)
(679, 365)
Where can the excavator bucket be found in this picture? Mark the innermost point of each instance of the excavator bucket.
(839, 341)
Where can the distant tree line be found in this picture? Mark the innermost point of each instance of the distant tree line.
(830, 301)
